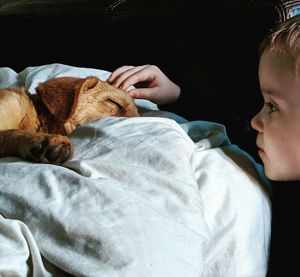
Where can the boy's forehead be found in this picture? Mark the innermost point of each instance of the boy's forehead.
(279, 76)
(279, 61)
(277, 73)
(279, 66)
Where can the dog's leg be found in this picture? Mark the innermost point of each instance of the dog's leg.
(37, 147)
(19, 124)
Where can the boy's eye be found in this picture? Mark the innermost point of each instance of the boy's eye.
(271, 106)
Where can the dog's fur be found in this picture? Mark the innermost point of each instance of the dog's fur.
(36, 126)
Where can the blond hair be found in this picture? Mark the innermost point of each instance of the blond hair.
(284, 38)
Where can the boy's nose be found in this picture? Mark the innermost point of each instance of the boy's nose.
(256, 123)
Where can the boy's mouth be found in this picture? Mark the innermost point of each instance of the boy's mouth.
(259, 148)
(260, 151)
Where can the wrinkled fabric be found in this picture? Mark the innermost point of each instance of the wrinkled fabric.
(150, 196)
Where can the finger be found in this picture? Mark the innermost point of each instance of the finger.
(144, 75)
(121, 73)
(145, 93)
(136, 94)
(121, 79)
(118, 72)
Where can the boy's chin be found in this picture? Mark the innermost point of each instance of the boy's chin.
(276, 176)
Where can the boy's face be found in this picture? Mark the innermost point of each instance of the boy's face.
(278, 122)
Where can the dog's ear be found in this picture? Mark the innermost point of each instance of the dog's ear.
(60, 95)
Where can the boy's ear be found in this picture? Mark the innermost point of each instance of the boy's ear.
(60, 95)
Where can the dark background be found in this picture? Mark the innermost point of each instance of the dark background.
(208, 48)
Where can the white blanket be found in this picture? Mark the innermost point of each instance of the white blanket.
(154, 196)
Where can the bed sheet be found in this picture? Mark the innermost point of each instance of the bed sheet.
(155, 195)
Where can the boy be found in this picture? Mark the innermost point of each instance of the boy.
(278, 121)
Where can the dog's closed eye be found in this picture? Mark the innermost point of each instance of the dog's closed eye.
(120, 108)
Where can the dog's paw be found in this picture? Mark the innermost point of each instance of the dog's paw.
(46, 148)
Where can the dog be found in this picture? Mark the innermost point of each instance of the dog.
(35, 127)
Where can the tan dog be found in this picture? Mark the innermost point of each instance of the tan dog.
(36, 127)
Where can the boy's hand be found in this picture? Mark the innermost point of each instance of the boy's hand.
(149, 81)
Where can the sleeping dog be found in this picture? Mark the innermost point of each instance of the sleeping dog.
(36, 127)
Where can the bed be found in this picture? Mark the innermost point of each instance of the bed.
(156, 195)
